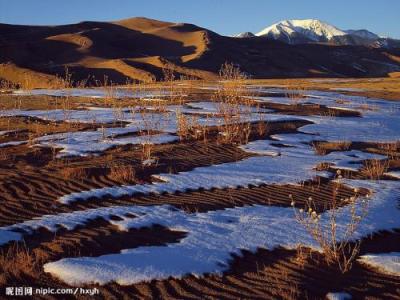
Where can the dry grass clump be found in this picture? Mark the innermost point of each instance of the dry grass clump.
(79, 173)
(147, 154)
(6, 85)
(235, 109)
(124, 173)
(172, 85)
(4, 156)
(330, 113)
(262, 128)
(390, 149)
(342, 101)
(18, 263)
(374, 169)
(294, 93)
(302, 255)
(111, 100)
(335, 240)
(323, 148)
(153, 119)
(189, 127)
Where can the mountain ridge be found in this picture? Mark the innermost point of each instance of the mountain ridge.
(316, 31)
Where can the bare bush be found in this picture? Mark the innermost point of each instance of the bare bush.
(73, 173)
(322, 148)
(232, 106)
(390, 149)
(18, 262)
(335, 239)
(374, 169)
(294, 93)
(120, 172)
(153, 119)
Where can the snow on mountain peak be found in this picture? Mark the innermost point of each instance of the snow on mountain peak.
(312, 29)
(315, 31)
(246, 34)
(362, 33)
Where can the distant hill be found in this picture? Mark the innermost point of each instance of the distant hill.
(139, 49)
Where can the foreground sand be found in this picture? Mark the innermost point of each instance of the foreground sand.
(31, 179)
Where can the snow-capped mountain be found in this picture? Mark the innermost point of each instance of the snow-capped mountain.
(246, 34)
(365, 34)
(316, 31)
(308, 30)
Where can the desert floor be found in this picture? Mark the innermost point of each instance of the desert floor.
(202, 191)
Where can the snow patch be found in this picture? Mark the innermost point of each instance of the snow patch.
(386, 262)
(213, 236)
(338, 296)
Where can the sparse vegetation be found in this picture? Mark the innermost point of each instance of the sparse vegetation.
(323, 148)
(240, 120)
(122, 173)
(390, 149)
(17, 263)
(334, 237)
(294, 93)
(374, 169)
(73, 173)
(234, 109)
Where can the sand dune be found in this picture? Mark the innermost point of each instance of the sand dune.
(139, 48)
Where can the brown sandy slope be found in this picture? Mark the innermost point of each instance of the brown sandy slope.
(138, 49)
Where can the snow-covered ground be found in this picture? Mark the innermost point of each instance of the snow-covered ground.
(338, 296)
(213, 236)
(13, 143)
(386, 262)
(94, 141)
(94, 93)
(379, 122)
(294, 164)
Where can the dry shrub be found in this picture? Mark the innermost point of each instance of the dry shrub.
(234, 108)
(123, 173)
(324, 166)
(302, 255)
(183, 125)
(152, 120)
(294, 93)
(318, 148)
(330, 113)
(6, 85)
(168, 73)
(73, 173)
(189, 127)
(341, 251)
(147, 150)
(390, 149)
(375, 168)
(111, 100)
(4, 155)
(174, 86)
(342, 101)
(17, 263)
(262, 128)
(322, 148)
(109, 90)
